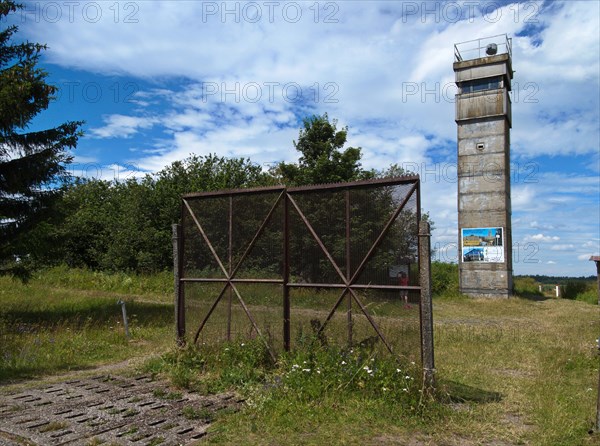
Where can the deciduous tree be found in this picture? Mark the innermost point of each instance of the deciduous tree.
(323, 157)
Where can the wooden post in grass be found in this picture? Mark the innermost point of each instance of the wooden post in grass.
(426, 307)
(596, 259)
(177, 270)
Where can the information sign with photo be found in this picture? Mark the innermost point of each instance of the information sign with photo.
(482, 245)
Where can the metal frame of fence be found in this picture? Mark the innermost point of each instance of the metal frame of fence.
(347, 283)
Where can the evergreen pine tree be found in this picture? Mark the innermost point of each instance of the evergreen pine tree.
(32, 164)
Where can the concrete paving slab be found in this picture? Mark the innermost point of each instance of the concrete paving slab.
(108, 410)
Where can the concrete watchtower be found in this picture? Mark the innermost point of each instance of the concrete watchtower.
(483, 74)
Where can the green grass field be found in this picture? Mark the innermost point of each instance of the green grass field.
(67, 320)
(509, 372)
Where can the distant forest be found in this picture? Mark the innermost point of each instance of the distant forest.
(555, 280)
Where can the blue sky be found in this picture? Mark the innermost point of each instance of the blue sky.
(157, 81)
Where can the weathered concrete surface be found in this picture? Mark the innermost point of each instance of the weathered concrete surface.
(498, 65)
(108, 410)
(475, 105)
(483, 122)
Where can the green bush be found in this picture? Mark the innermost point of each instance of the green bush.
(444, 279)
(234, 365)
(309, 373)
(574, 288)
(590, 296)
(526, 286)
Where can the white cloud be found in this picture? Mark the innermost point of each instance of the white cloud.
(584, 256)
(120, 126)
(562, 247)
(523, 198)
(369, 51)
(592, 244)
(107, 172)
(542, 238)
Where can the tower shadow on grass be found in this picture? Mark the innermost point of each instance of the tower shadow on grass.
(455, 392)
(531, 296)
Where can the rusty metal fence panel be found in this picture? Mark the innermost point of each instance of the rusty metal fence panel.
(282, 263)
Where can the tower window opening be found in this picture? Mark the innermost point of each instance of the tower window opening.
(490, 83)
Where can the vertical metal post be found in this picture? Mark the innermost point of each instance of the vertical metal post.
(596, 260)
(177, 273)
(418, 192)
(286, 274)
(427, 357)
(348, 266)
(229, 268)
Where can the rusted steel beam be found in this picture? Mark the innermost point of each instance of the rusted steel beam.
(352, 285)
(317, 285)
(348, 265)
(286, 276)
(385, 287)
(241, 191)
(234, 280)
(179, 291)
(409, 179)
(229, 265)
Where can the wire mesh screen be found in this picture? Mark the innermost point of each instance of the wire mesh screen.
(343, 259)
(232, 266)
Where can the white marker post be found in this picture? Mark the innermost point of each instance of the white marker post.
(125, 323)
